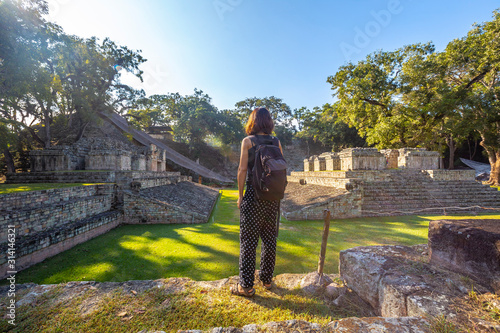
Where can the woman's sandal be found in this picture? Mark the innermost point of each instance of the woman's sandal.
(247, 292)
(268, 286)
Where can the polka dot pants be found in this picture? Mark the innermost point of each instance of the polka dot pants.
(257, 219)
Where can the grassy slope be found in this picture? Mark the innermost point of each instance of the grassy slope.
(210, 251)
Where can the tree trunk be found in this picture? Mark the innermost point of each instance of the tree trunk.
(9, 160)
(80, 133)
(494, 158)
(495, 170)
(47, 132)
(35, 136)
(452, 147)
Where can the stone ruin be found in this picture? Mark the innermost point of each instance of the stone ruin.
(372, 159)
(360, 182)
(430, 280)
(130, 178)
(99, 154)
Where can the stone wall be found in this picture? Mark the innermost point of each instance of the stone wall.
(50, 160)
(108, 160)
(319, 163)
(338, 179)
(32, 250)
(418, 158)
(140, 210)
(361, 159)
(99, 154)
(346, 205)
(36, 211)
(391, 157)
(309, 164)
(160, 181)
(372, 159)
(49, 221)
(332, 161)
(123, 178)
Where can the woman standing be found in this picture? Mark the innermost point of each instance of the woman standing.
(257, 217)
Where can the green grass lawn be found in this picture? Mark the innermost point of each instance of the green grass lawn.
(12, 188)
(210, 251)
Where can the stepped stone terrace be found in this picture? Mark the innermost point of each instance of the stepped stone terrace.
(367, 182)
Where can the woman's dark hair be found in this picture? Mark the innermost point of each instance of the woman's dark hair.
(259, 121)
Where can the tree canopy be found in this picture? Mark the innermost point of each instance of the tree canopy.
(417, 97)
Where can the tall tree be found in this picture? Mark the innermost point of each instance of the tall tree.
(473, 70)
(323, 125)
(280, 111)
(46, 73)
(370, 97)
(193, 117)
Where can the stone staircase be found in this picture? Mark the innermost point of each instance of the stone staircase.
(415, 192)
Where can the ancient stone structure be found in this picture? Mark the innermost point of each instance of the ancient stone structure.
(160, 132)
(390, 182)
(98, 154)
(372, 159)
(361, 159)
(319, 163)
(470, 247)
(391, 156)
(56, 159)
(332, 161)
(418, 158)
(309, 164)
(182, 202)
(51, 221)
(116, 146)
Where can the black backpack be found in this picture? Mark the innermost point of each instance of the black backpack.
(269, 170)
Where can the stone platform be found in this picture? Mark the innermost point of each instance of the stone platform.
(360, 193)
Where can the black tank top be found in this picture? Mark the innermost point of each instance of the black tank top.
(265, 139)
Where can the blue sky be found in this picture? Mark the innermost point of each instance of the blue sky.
(234, 49)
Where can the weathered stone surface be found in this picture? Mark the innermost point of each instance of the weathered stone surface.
(418, 158)
(309, 201)
(333, 291)
(361, 159)
(397, 281)
(470, 247)
(313, 283)
(319, 163)
(427, 303)
(183, 202)
(380, 325)
(309, 164)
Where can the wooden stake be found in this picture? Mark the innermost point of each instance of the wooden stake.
(324, 241)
